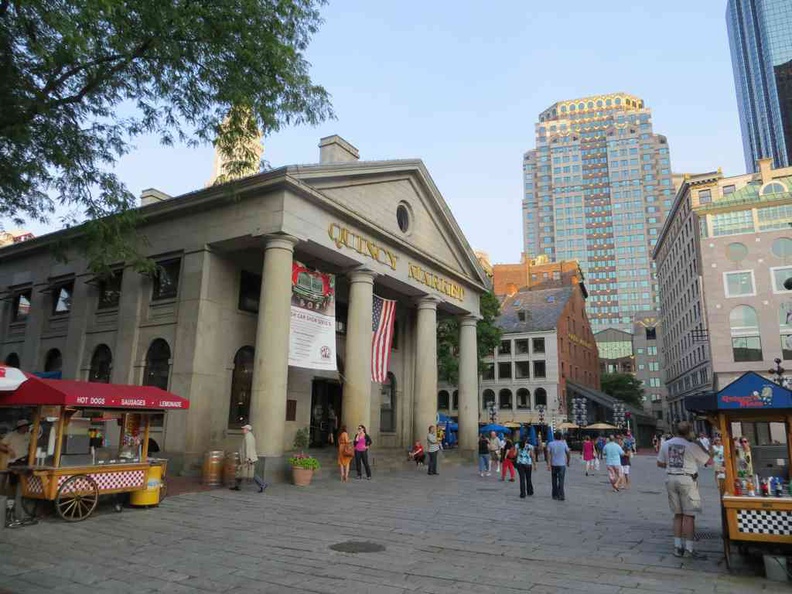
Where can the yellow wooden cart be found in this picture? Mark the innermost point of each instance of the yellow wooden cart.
(75, 481)
(757, 411)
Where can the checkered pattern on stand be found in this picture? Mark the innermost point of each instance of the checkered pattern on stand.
(107, 481)
(754, 521)
(35, 485)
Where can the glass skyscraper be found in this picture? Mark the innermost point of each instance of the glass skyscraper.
(596, 189)
(760, 37)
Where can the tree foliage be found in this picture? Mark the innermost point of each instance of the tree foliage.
(79, 79)
(623, 386)
(487, 333)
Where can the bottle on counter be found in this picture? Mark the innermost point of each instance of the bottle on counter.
(764, 488)
(751, 490)
(738, 487)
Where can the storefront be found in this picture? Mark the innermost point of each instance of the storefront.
(213, 326)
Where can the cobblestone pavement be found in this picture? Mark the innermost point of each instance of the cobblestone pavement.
(453, 533)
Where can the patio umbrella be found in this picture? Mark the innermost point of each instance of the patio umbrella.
(550, 436)
(567, 425)
(600, 426)
(494, 427)
(11, 378)
(512, 425)
(532, 435)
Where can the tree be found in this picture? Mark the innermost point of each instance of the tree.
(80, 79)
(488, 337)
(623, 386)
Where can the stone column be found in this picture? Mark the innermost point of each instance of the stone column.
(271, 365)
(356, 406)
(468, 384)
(425, 367)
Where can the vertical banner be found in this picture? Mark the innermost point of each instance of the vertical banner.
(312, 337)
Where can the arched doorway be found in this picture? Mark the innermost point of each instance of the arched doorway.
(157, 370)
(241, 387)
(12, 360)
(101, 364)
(53, 361)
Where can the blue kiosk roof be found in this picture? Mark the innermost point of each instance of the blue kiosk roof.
(750, 391)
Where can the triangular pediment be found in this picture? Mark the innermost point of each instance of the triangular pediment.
(374, 191)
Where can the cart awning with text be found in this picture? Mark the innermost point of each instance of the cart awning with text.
(43, 392)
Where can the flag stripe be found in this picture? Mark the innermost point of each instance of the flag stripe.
(382, 324)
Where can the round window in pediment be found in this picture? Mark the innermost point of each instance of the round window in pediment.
(403, 217)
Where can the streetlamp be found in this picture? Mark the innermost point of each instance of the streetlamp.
(541, 410)
(493, 412)
(778, 373)
(579, 411)
(618, 414)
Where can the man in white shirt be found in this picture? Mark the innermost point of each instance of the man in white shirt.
(704, 441)
(681, 458)
(15, 446)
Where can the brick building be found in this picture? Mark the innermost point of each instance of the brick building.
(535, 273)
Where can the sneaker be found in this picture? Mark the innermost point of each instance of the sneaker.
(696, 555)
(14, 524)
(489, 474)
(511, 480)
(679, 552)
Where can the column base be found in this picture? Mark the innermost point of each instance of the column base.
(273, 469)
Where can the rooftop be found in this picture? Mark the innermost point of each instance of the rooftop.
(540, 310)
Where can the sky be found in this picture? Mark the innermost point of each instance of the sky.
(460, 85)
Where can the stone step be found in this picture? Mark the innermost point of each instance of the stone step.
(383, 460)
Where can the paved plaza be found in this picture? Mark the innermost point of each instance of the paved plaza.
(453, 533)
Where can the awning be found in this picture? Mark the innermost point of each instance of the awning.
(608, 401)
(750, 391)
(44, 392)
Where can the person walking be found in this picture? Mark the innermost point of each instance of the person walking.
(588, 454)
(483, 455)
(599, 445)
(494, 450)
(613, 453)
(558, 458)
(626, 464)
(526, 460)
(681, 458)
(346, 452)
(509, 456)
(246, 469)
(432, 448)
(362, 443)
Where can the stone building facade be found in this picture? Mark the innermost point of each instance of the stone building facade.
(213, 324)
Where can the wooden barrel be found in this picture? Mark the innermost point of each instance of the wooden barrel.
(230, 468)
(213, 467)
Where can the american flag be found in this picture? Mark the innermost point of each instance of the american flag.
(382, 318)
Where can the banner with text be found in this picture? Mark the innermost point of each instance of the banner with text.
(312, 339)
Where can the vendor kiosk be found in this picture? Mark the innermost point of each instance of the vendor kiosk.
(87, 440)
(756, 496)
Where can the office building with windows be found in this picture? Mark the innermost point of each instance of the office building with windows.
(760, 37)
(596, 190)
(722, 259)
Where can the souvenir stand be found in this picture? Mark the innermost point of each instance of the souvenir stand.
(75, 464)
(756, 496)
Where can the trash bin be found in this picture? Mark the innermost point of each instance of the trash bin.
(150, 494)
(213, 468)
(230, 468)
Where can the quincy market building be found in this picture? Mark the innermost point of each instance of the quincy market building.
(213, 326)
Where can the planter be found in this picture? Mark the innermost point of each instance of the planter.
(302, 476)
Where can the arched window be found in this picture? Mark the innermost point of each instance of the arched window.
(488, 399)
(241, 387)
(455, 400)
(746, 340)
(540, 397)
(523, 398)
(101, 363)
(12, 360)
(442, 400)
(157, 370)
(774, 187)
(53, 361)
(505, 398)
(388, 406)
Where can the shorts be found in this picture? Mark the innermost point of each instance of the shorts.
(683, 495)
(495, 456)
(626, 470)
(614, 473)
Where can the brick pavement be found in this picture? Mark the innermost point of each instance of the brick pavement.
(454, 533)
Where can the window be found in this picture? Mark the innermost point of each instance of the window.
(728, 190)
(747, 348)
(521, 347)
(443, 400)
(780, 275)
(110, 290)
(241, 387)
(12, 360)
(736, 251)
(782, 247)
(505, 347)
(746, 343)
(540, 397)
(488, 399)
(53, 361)
(101, 364)
(505, 398)
(22, 305)
(489, 371)
(774, 187)
(539, 369)
(403, 217)
(522, 369)
(455, 400)
(732, 223)
(166, 280)
(786, 346)
(538, 345)
(62, 298)
(523, 399)
(504, 371)
(249, 291)
(157, 369)
(705, 196)
(651, 333)
(388, 406)
(739, 284)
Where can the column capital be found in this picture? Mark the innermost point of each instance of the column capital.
(468, 320)
(361, 274)
(428, 302)
(281, 241)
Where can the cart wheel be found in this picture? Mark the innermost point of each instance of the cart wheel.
(77, 498)
(30, 507)
(163, 490)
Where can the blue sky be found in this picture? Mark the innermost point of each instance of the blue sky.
(460, 84)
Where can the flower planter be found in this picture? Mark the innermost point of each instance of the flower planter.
(302, 476)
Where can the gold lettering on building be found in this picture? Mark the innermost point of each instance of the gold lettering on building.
(577, 340)
(446, 287)
(343, 237)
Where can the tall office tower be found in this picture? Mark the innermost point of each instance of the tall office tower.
(597, 189)
(760, 36)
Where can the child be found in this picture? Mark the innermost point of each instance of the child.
(417, 454)
(625, 464)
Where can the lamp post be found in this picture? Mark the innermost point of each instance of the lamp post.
(618, 414)
(493, 412)
(777, 373)
(541, 410)
(579, 411)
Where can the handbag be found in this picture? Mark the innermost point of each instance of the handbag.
(347, 449)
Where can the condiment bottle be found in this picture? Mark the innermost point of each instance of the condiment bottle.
(737, 487)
